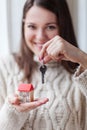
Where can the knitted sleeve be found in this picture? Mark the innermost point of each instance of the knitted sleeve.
(80, 78)
(10, 118)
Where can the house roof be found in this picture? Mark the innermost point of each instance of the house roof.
(25, 87)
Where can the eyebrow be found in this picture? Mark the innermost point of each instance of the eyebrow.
(51, 23)
(35, 23)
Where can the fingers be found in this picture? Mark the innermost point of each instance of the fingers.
(47, 50)
(46, 59)
(14, 99)
(43, 51)
(23, 107)
(41, 101)
(58, 49)
(34, 104)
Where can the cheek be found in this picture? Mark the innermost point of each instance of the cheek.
(52, 35)
(28, 40)
(28, 36)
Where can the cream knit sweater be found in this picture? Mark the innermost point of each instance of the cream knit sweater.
(66, 109)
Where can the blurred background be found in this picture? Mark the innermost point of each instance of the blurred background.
(10, 23)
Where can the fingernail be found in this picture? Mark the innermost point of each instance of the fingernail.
(44, 62)
(40, 58)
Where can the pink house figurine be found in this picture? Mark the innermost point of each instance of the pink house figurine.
(26, 91)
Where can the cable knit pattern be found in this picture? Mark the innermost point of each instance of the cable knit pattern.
(81, 79)
(66, 109)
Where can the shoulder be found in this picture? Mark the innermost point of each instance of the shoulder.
(6, 59)
(8, 64)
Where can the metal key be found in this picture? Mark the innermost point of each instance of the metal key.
(43, 69)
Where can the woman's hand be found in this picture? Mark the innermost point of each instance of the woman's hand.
(23, 107)
(58, 49)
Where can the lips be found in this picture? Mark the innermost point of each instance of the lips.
(39, 46)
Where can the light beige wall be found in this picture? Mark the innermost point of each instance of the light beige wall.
(73, 7)
(78, 9)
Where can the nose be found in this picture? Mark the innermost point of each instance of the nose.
(41, 36)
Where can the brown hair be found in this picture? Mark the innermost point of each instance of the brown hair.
(60, 9)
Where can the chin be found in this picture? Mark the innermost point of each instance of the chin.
(36, 53)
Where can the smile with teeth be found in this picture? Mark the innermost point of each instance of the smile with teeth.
(39, 45)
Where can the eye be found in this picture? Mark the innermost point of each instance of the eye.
(32, 27)
(51, 27)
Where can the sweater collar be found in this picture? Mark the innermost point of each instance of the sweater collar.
(50, 64)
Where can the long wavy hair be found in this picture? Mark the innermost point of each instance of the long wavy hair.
(61, 10)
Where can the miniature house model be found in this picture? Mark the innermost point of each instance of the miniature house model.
(26, 91)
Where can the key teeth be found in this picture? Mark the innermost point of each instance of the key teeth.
(42, 82)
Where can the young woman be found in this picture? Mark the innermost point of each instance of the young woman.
(60, 103)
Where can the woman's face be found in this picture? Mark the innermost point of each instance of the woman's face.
(40, 26)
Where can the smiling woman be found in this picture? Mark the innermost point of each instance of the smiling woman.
(39, 31)
(48, 46)
(10, 36)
